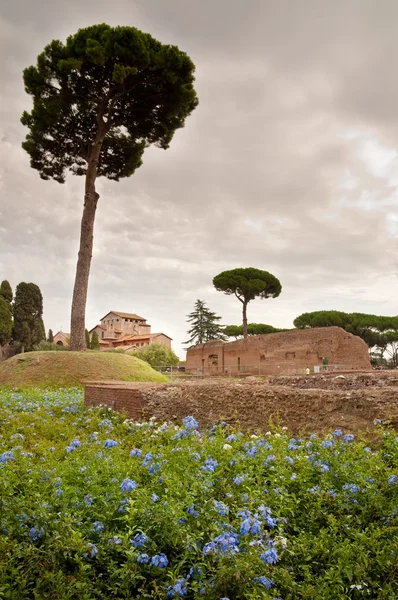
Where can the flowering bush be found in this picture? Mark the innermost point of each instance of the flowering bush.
(93, 506)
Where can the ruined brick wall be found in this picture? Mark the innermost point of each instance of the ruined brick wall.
(283, 353)
(252, 405)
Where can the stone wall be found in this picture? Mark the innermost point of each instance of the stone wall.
(285, 353)
(252, 405)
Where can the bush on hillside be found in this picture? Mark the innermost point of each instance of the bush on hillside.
(157, 355)
(44, 346)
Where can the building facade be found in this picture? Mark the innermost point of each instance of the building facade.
(119, 329)
(127, 330)
(286, 353)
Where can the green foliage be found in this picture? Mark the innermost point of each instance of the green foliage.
(5, 321)
(87, 336)
(246, 285)
(252, 329)
(28, 310)
(316, 517)
(94, 341)
(157, 355)
(50, 337)
(116, 84)
(205, 325)
(6, 291)
(47, 346)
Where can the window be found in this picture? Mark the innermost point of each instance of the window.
(102, 334)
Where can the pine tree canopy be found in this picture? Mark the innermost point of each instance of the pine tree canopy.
(115, 83)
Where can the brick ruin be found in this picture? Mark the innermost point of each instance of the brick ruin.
(351, 402)
(286, 353)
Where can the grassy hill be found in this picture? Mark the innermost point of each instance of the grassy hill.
(65, 369)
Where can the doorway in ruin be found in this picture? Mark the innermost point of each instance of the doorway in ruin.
(213, 364)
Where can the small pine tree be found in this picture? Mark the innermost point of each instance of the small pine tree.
(6, 291)
(87, 335)
(94, 341)
(50, 336)
(205, 326)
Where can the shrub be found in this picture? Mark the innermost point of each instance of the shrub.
(157, 355)
(94, 506)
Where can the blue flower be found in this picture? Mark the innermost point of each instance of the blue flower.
(154, 497)
(327, 444)
(147, 459)
(191, 511)
(238, 479)
(153, 469)
(98, 526)
(352, 488)
(393, 480)
(35, 533)
(250, 525)
(140, 539)
(115, 540)
(75, 444)
(225, 544)
(349, 437)
(143, 558)
(178, 589)
(7, 456)
(110, 444)
(88, 499)
(128, 485)
(135, 452)
(92, 550)
(190, 423)
(159, 560)
(337, 433)
(222, 508)
(264, 581)
(210, 465)
(269, 557)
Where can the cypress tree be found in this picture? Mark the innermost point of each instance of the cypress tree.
(50, 336)
(6, 291)
(5, 324)
(94, 341)
(28, 310)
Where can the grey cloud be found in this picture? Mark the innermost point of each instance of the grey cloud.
(257, 177)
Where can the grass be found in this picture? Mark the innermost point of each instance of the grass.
(70, 369)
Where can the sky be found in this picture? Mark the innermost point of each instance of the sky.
(289, 164)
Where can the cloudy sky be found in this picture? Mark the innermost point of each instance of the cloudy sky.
(289, 164)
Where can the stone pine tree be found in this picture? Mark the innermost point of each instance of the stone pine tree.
(204, 325)
(98, 101)
(6, 291)
(28, 315)
(5, 324)
(94, 341)
(247, 284)
(50, 337)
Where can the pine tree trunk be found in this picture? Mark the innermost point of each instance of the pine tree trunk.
(244, 320)
(78, 314)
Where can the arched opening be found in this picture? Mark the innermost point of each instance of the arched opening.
(59, 343)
